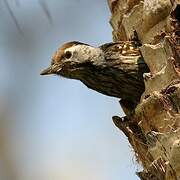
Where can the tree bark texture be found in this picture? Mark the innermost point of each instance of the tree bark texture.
(153, 130)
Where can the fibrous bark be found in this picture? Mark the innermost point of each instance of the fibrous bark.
(153, 130)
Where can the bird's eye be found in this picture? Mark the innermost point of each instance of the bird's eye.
(67, 54)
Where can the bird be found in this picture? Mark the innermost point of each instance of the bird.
(115, 69)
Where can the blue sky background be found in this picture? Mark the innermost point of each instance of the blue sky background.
(54, 128)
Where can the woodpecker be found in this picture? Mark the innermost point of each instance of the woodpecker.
(114, 69)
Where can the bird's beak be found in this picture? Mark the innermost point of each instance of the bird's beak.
(53, 69)
(47, 71)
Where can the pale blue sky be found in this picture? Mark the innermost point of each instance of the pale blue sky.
(54, 128)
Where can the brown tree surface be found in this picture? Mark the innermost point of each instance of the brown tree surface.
(154, 129)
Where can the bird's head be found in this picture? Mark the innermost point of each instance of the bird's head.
(72, 58)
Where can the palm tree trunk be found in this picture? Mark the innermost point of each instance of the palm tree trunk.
(154, 129)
